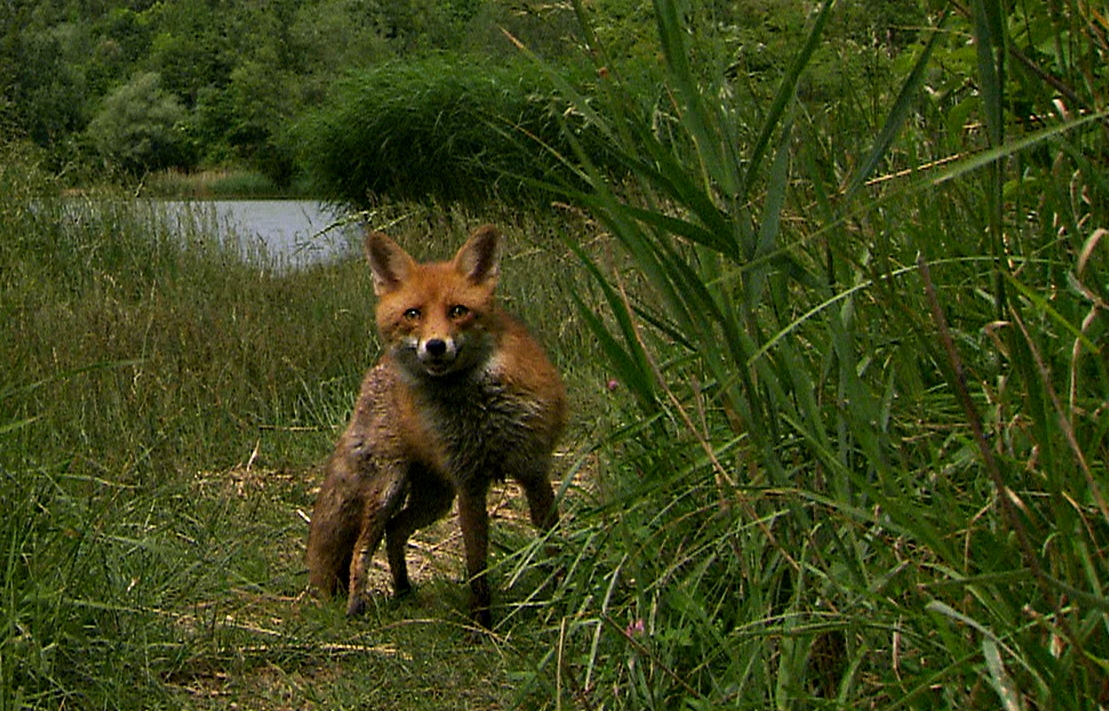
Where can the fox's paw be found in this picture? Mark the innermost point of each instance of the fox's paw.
(482, 617)
(355, 605)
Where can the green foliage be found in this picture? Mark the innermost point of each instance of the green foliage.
(448, 127)
(862, 461)
(246, 73)
(242, 72)
(140, 128)
(50, 105)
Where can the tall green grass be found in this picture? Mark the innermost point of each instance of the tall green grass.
(862, 387)
(139, 363)
(165, 402)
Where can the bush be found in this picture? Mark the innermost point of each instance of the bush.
(446, 127)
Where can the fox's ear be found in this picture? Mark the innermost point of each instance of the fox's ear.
(390, 264)
(479, 259)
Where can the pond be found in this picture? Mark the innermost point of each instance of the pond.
(294, 232)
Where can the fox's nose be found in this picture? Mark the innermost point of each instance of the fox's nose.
(436, 347)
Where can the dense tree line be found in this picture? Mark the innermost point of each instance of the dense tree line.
(141, 85)
(147, 84)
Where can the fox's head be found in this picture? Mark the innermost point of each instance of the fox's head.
(437, 318)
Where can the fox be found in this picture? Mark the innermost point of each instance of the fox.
(462, 396)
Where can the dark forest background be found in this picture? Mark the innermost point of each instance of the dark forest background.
(125, 87)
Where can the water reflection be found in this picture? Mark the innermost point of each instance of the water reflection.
(295, 232)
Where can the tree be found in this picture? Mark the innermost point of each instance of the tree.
(140, 127)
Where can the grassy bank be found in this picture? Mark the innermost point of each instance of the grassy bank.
(216, 184)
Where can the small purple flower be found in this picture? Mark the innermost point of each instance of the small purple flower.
(612, 384)
(635, 629)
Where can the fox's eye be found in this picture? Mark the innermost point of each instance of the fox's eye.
(411, 314)
(458, 311)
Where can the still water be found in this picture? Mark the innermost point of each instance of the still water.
(292, 232)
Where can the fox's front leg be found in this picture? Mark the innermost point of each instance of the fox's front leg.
(474, 520)
(541, 500)
(381, 503)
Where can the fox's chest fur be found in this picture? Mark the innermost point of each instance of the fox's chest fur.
(484, 428)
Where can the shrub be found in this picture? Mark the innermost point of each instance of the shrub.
(446, 127)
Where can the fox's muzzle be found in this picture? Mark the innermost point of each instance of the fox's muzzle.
(436, 348)
(437, 355)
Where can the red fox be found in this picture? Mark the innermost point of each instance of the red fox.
(462, 396)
